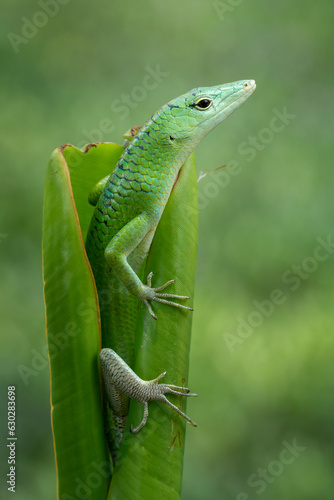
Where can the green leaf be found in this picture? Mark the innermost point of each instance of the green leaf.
(87, 167)
(72, 317)
(150, 463)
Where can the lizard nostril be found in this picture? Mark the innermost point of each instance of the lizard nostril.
(250, 84)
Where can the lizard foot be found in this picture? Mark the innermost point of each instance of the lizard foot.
(154, 294)
(156, 392)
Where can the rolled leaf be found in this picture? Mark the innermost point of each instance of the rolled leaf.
(150, 463)
(72, 317)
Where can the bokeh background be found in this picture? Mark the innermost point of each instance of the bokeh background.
(261, 359)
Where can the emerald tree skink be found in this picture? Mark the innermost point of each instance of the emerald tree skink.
(129, 204)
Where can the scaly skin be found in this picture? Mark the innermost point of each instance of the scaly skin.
(131, 204)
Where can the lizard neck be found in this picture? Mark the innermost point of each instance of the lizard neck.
(157, 156)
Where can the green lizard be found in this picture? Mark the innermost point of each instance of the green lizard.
(129, 204)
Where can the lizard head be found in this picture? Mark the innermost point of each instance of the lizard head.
(190, 117)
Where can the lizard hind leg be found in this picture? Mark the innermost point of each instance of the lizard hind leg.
(120, 382)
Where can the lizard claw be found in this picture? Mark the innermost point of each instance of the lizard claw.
(150, 310)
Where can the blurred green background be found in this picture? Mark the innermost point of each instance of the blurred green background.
(263, 370)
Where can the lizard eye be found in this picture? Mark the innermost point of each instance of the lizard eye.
(202, 104)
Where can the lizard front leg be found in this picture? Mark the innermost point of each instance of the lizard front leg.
(117, 253)
(97, 190)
